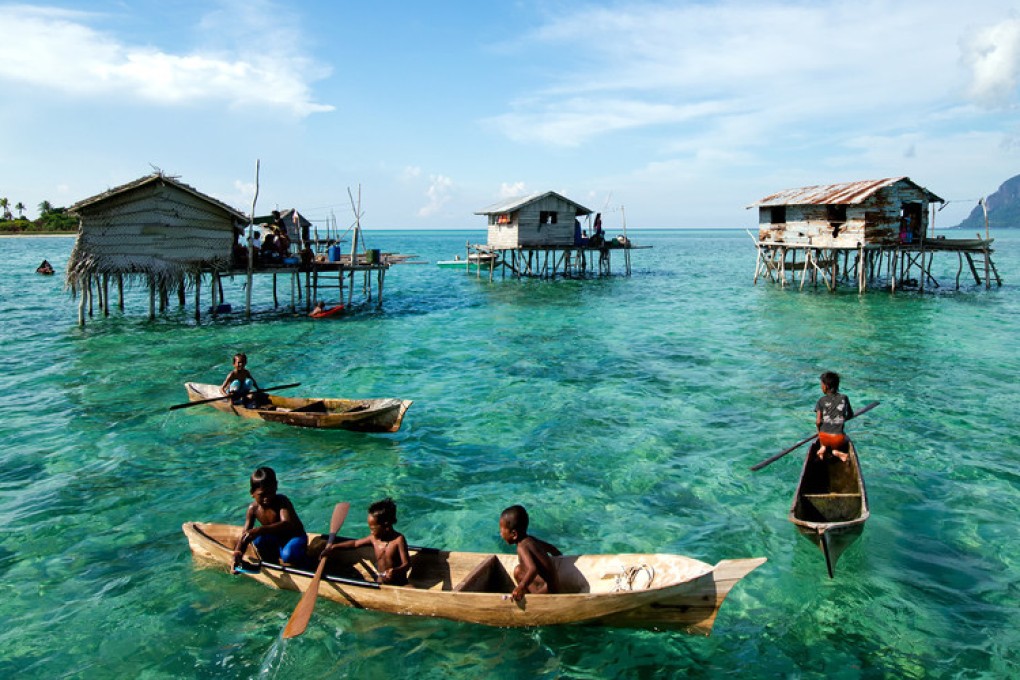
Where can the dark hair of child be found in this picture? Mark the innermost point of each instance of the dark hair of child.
(515, 518)
(831, 381)
(384, 511)
(263, 478)
(242, 356)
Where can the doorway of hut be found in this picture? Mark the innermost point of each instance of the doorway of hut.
(910, 222)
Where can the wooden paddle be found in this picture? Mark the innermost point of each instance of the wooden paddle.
(227, 396)
(782, 453)
(303, 612)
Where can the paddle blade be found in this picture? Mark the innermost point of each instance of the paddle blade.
(303, 612)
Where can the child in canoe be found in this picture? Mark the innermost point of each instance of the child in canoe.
(392, 561)
(280, 537)
(241, 385)
(535, 571)
(831, 411)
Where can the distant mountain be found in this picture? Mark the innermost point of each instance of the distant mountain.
(1003, 209)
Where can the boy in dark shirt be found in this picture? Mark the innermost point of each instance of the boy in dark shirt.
(831, 411)
(535, 571)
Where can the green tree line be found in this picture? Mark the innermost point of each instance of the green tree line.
(51, 219)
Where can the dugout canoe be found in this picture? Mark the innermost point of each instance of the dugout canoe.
(359, 415)
(655, 591)
(830, 505)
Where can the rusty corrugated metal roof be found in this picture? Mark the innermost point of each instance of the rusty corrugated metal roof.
(847, 193)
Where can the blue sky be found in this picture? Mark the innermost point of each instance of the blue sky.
(683, 112)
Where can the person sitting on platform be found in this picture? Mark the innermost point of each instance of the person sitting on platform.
(282, 242)
(44, 268)
(319, 308)
(535, 571)
(392, 561)
(281, 537)
(268, 250)
(831, 411)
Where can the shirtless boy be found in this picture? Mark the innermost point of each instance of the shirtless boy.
(280, 536)
(535, 572)
(239, 381)
(392, 561)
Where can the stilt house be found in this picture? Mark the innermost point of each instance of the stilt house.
(871, 212)
(155, 228)
(543, 219)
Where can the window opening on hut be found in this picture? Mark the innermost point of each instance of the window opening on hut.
(779, 214)
(547, 217)
(910, 222)
(837, 217)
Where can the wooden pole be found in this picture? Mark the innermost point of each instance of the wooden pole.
(81, 303)
(152, 298)
(198, 296)
(251, 245)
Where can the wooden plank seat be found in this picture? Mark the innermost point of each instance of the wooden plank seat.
(488, 576)
(832, 507)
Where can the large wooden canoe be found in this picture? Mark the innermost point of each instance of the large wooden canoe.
(360, 415)
(830, 506)
(627, 590)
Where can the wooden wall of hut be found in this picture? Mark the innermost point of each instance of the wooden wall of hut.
(532, 226)
(875, 221)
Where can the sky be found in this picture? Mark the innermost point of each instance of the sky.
(663, 114)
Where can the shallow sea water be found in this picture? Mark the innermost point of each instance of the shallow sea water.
(624, 412)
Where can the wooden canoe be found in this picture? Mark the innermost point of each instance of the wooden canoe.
(627, 590)
(360, 415)
(830, 506)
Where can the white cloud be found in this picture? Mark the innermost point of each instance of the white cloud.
(511, 190)
(733, 73)
(992, 54)
(410, 172)
(438, 195)
(58, 50)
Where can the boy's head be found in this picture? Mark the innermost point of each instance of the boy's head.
(263, 485)
(513, 524)
(240, 359)
(830, 382)
(382, 515)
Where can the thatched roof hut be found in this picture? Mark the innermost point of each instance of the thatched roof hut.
(155, 228)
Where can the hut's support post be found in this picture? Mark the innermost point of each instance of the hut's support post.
(960, 270)
(81, 302)
(180, 291)
(276, 301)
(88, 287)
(198, 295)
(152, 299)
(120, 292)
(294, 287)
(106, 295)
(380, 275)
(861, 281)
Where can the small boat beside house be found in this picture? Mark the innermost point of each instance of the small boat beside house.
(830, 505)
(359, 415)
(653, 591)
(483, 260)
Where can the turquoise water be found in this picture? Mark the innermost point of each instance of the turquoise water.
(623, 412)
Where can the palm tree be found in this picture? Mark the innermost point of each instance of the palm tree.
(44, 208)
(20, 207)
(4, 203)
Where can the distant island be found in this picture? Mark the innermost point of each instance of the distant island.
(51, 220)
(1003, 209)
